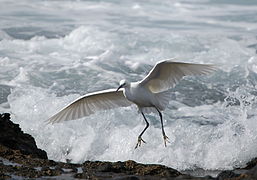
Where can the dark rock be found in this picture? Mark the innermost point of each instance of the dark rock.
(130, 178)
(251, 164)
(12, 137)
(131, 167)
(208, 177)
(247, 173)
(252, 172)
(107, 167)
(4, 176)
(226, 175)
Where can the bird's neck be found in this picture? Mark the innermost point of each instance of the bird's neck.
(126, 91)
(126, 88)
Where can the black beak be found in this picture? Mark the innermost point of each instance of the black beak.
(119, 87)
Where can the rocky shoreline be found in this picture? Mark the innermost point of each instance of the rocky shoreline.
(20, 158)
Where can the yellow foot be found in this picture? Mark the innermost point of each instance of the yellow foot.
(139, 140)
(166, 139)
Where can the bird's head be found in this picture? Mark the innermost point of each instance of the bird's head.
(123, 84)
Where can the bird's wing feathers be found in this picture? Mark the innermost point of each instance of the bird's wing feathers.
(166, 74)
(89, 104)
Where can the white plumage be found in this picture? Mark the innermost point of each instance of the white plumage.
(150, 94)
(91, 103)
(166, 74)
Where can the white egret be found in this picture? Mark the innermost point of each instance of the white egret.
(150, 94)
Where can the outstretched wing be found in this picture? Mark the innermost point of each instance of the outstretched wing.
(166, 74)
(89, 104)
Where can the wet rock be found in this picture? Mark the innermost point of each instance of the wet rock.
(4, 176)
(251, 164)
(131, 167)
(12, 137)
(247, 173)
(129, 178)
(227, 175)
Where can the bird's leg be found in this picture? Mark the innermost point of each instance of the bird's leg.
(163, 132)
(140, 135)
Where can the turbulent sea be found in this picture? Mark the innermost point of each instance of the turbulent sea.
(53, 51)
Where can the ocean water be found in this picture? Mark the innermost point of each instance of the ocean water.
(53, 51)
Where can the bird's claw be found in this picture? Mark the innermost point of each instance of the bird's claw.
(139, 140)
(166, 139)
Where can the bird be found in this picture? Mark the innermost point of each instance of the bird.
(151, 94)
